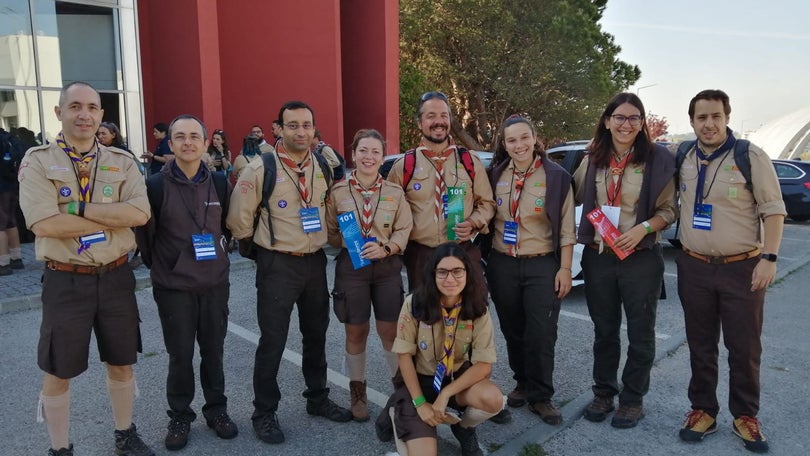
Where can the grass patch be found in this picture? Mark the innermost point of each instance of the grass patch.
(532, 449)
(149, 354)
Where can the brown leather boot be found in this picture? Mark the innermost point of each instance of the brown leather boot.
(359, 405)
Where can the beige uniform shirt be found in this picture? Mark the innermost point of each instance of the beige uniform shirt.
(285, 203)
(534, 231)
(48, 178)
(479, 206)
(736, 212)
(474, 340)
(391, 222)
(632, 179)
(240, 162)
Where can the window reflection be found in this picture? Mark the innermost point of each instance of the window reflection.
(19, 111)
(16, 44)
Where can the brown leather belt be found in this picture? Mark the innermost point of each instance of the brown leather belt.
(84, 269)
(723, 259)
(298, 254)
(532, 255)
(608, 249)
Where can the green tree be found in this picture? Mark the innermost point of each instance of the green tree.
(546, 59)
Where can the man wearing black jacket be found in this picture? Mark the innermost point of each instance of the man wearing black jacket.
(186, 250)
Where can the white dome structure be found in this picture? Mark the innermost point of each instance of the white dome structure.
(787, 137)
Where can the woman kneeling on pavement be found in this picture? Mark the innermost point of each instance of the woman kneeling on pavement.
(529, 268)
(385, 222)
(446, 351)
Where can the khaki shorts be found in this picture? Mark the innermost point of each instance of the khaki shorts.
(356, 291)
(73, 305)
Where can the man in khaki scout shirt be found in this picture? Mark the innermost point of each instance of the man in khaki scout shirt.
(291, 270)
(81, 199)
(730, 237)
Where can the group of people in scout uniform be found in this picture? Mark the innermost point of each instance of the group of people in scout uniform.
(82, 200)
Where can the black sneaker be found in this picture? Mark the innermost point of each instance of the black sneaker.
(62, 451)
(467, 439)
(267, 429)
(329, 410)
(177, 435)
(129, 443)
(502, 417)
(223, 426)
(17, 264)
(5, 270)
(383, 426)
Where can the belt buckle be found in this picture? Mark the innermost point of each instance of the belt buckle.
(103, 269)
(717, 260)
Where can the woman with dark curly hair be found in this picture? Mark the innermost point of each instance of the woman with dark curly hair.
(219, 154)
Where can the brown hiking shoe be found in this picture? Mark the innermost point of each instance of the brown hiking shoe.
(547, 411)
(359, 404)
(517, 398)
(599, 408)
(627, 416)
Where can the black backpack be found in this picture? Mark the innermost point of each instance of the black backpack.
(741, 159)
(339, 171)
(247, 248)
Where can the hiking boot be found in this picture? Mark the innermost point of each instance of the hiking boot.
(467, 439)
(547, 411)
(267, 429)
(359, 406)
(517, 398)
(627, 416)
(223, 426)
(329, 410)
(62, 451)
(383, 426)
(129, 443)
(698, 424)
(502, 417)
(749, 429)
(177, 435)
(599, 408)
(16, 264)
(6, 270)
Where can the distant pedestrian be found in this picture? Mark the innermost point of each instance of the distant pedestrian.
(218, 155)
(162, 153)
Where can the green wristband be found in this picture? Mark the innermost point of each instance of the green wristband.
(419, 401)
(647, 226)
(72, 208)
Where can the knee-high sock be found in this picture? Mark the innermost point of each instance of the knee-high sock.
(392, 361)
(355, 366)
(55, 411)
(16, 254)
(122, 396)
(473, 417)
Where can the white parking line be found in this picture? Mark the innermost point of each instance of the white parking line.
(588, 319)
(670, 274)
(333, 376)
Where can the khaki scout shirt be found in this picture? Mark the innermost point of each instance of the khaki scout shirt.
(631, 190)
(736, 212)
(534, 231)
(474, 340)
(479, 207)
(48, 178)
(285, 205)
(391, 214)
(240, 162)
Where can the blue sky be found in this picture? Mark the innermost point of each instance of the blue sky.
(756, 51)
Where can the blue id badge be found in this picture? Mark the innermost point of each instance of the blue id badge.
(702, 218)
(204, 248)
(441, 369)
(310, 220)
(445, 200)
(93, 238)
(510, 230)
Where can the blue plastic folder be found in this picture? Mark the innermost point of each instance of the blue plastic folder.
(353, 238)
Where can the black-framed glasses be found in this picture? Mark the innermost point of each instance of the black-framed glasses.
(457, 273)
(431, 95)
(619, 120)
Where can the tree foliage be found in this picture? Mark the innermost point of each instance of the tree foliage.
(657, 125)
(546, 59)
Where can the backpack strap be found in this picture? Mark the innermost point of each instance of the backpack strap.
(269, 162)
(467, 161)
(221, 186)
(408, 166)
(145, 235)
(743, 161)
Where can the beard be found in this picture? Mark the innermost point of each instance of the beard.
(435, 139)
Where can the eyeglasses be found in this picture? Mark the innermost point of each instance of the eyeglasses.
(457, 273)
(619, 120)
(431, 95)
(295, 126)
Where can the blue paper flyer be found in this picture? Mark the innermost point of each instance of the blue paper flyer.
(353, 238)
(455, 210)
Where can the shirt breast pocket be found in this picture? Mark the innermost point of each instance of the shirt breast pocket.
(65, 183)
(733, 187)
(107, 186)
(422, 185)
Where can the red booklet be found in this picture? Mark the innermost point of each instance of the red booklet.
(607, 231)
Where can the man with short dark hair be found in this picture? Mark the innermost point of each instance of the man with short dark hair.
(731, 234)
(81, 199)
(290, 268)
(278, 129)
(258, 132)
(185, 247)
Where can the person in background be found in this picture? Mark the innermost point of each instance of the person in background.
(384, 219)
(250, 151)
(529, 267)
(218, 156)
(264, 146)
(162, 152)
(11, 154)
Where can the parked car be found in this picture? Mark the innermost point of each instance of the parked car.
(389, 160)
(794, 179)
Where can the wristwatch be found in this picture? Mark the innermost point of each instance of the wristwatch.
(769, 257)
(388, 250)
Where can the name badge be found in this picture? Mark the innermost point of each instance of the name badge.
(445, 199)
(310, 219)
(204, 248)
(89, 239)
(441, 369)
(510, 230)
(702, 218)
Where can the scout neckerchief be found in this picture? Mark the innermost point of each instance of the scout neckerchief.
(703, 163)
(367, 215)
(450, 319)
(300, 170)
(437, 160)
(82, 171)
(518, 180)
(614, 190)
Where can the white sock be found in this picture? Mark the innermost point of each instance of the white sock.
(5, 260)
(473, 417)
(392, 361)
(355, 366)
(55, 412)
(16, 254)
(122, 397)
